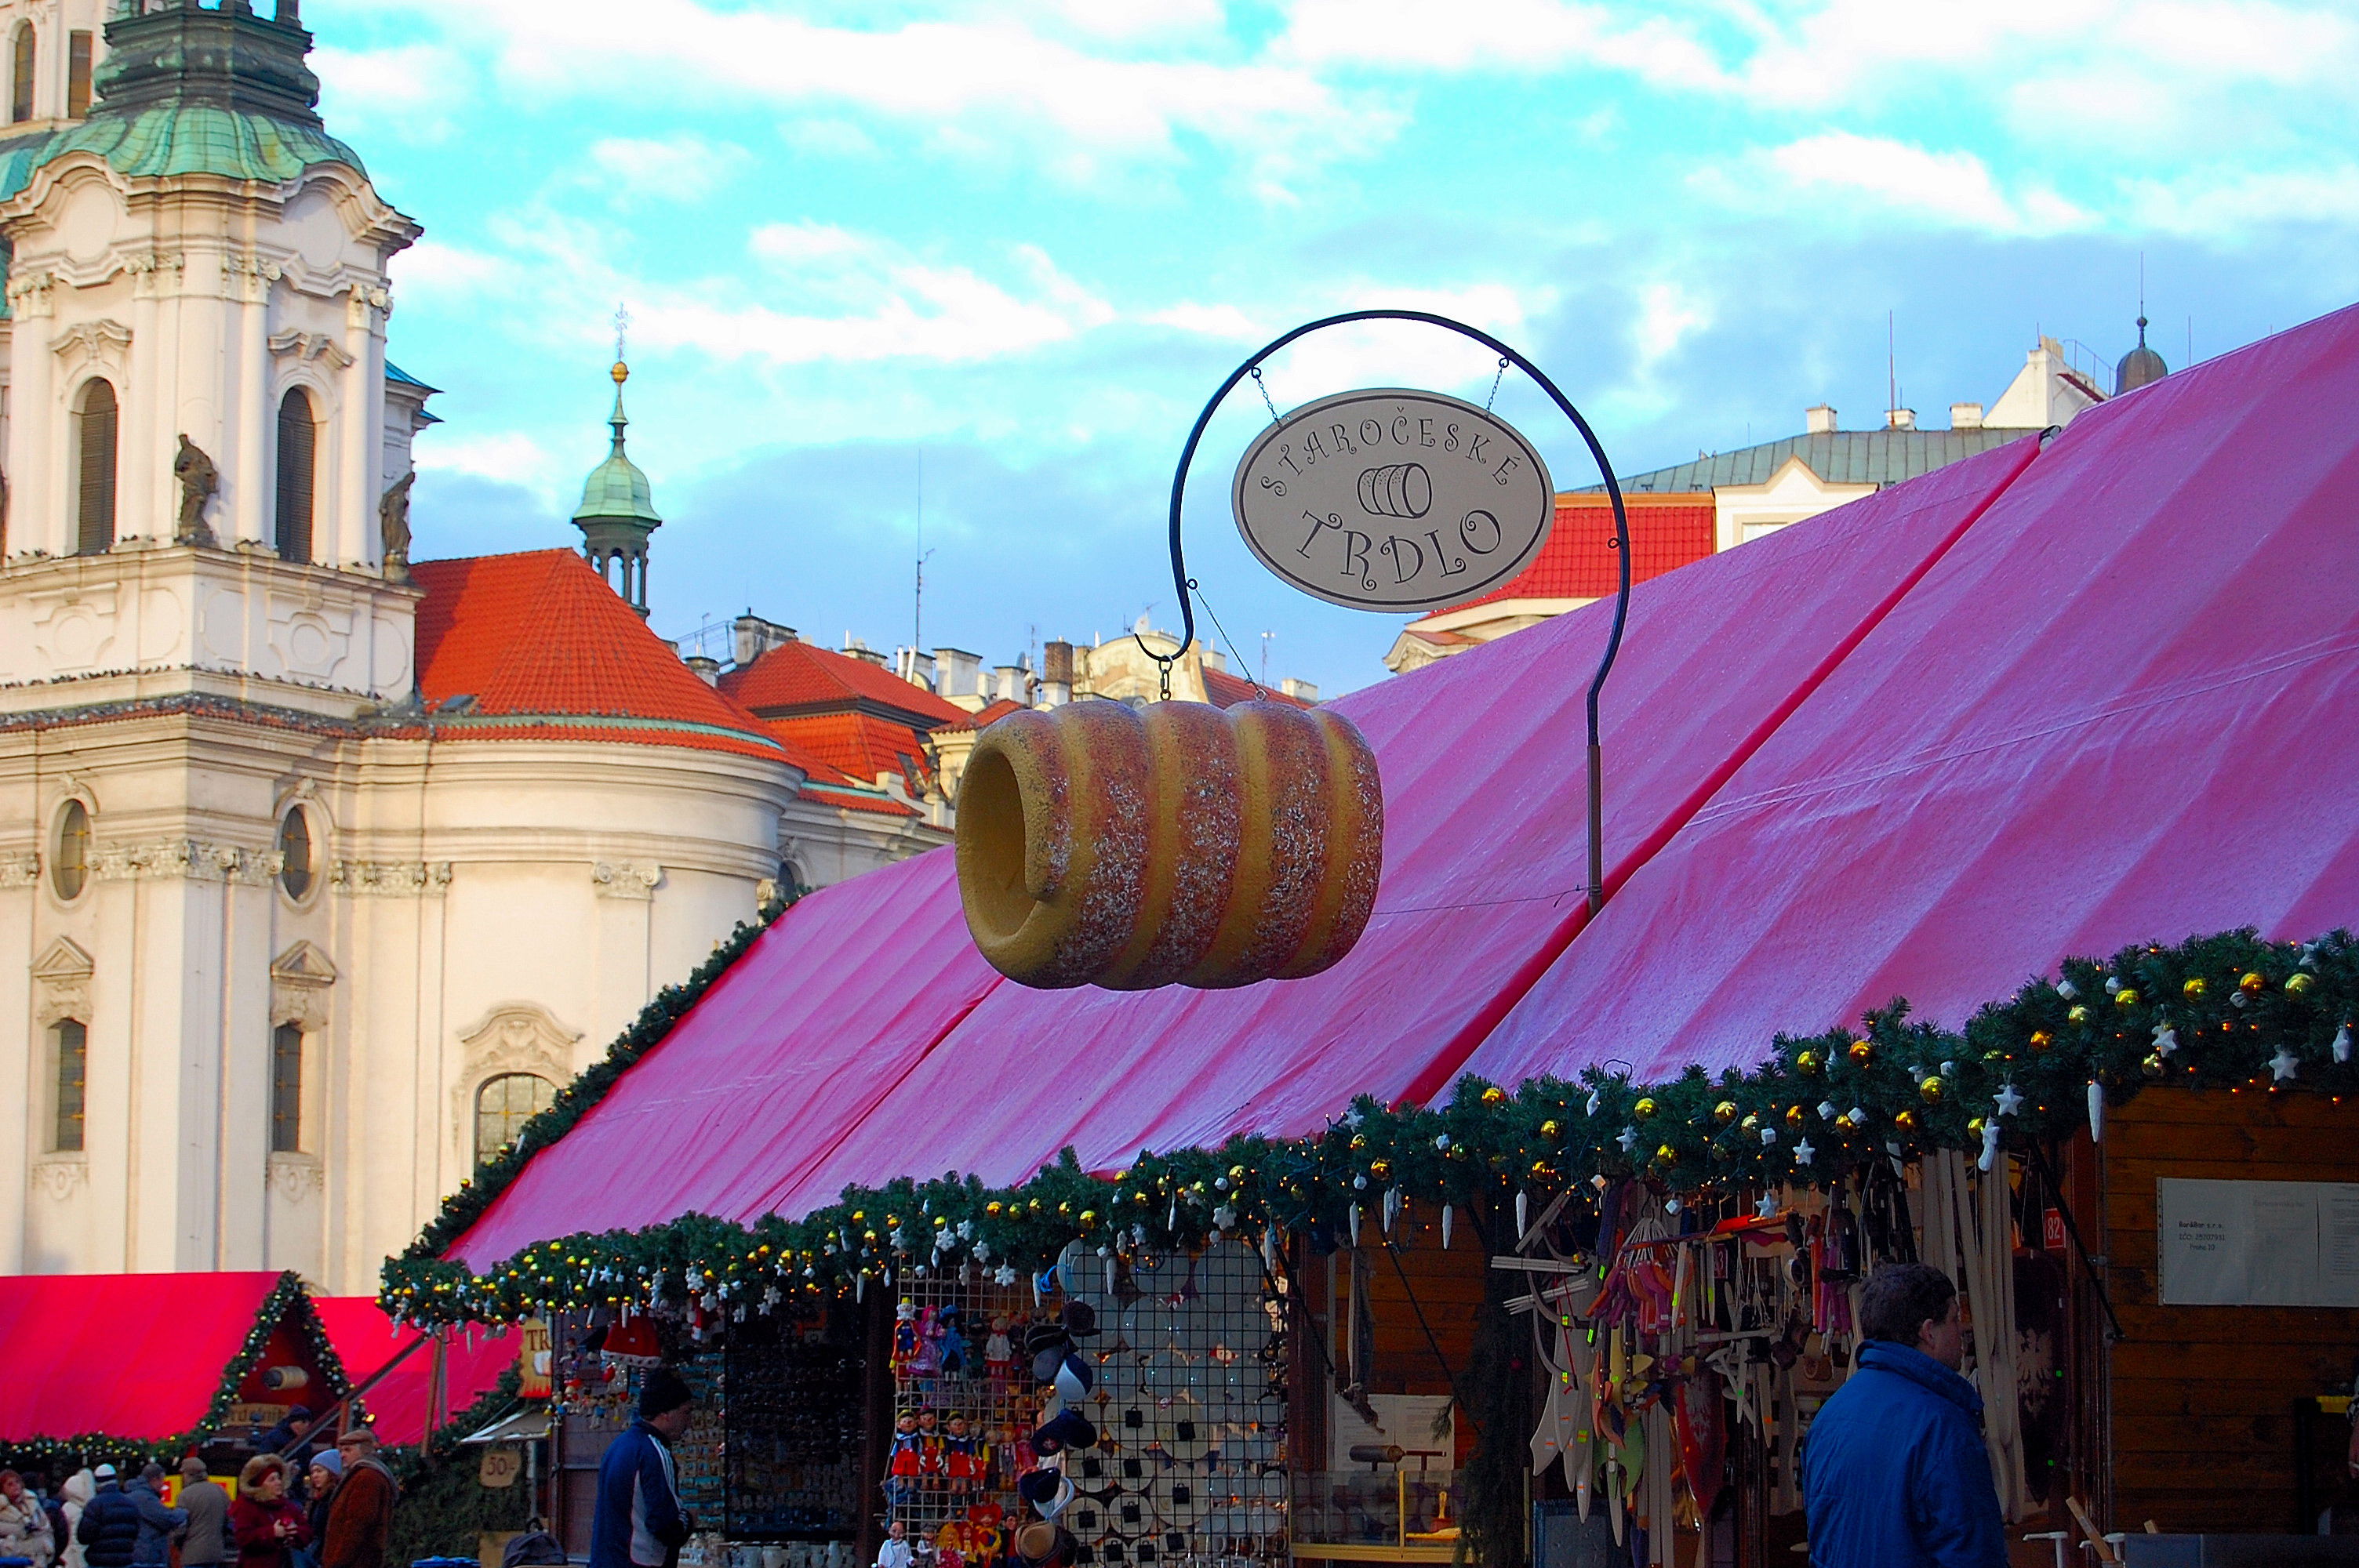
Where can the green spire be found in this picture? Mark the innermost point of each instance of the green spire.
(618, 511)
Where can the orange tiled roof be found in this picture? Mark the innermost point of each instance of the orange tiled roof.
(997, 709)
(538, 636)
(1577, 562)
(798, 674)
(860, 745)
(857, 800)
(1226, 690)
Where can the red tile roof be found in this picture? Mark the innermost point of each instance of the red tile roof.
(538, 636)
(1226, 690)
(855, 800)
(859, 744)
(798, 675)
(997, 709)
(828, 784)
(1577, 562)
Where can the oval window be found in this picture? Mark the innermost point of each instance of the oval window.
(70, 869)
(295, 853)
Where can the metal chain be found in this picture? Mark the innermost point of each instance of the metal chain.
(1497, 376)
(1262, 387)
(1163, 666)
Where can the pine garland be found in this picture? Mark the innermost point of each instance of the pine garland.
(2221, 1011)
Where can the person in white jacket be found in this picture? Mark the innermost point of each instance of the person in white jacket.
(24, 1523)
(78, 1490)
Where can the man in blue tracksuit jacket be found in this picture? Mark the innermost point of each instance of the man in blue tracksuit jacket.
(1895, 1473)
(638, 1522)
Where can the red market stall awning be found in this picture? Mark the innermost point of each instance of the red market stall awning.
(2037, 703)
(147, 1356)
(399, 1403)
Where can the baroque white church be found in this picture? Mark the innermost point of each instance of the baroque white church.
(319, 870)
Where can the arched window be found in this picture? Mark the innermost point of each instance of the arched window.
(286, 1089)
(20, 74)
(77, 75)
(70, 1047)
(70, 866)
(298, 461)
(94, 425)
(295, 853)
(504, 1105)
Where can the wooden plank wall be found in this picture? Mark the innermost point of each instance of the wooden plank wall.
(1448, 1286)
(2203, 1397)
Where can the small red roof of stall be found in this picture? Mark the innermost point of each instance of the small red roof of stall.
(367, 1341)
(2037, 703)
(138, 1356)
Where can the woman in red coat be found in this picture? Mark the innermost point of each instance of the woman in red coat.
(267, 1523)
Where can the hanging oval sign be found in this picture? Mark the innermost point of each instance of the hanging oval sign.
(1394, 500)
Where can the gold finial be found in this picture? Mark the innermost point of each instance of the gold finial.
(621, 372)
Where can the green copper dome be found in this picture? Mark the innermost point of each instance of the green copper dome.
(185, 89)
(617, 491)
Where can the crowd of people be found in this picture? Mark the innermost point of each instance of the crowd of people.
(300, 1503)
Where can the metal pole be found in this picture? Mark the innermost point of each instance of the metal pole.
(1183, 586)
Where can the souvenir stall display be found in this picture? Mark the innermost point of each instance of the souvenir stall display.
(1140, 1406)
(794, 1428)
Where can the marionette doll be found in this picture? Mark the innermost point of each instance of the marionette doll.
(932, 1461)
(926, 1361)
(949, 1545)
(903, 1468)
(953, 1323)
(999, 1355)
(906, 1342)
(962, 1456)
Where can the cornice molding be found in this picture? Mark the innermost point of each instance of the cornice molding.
(391, 879)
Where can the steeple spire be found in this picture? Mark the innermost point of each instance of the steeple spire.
(617, 510)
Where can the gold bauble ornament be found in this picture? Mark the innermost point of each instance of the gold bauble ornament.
(2196, 986)
(2252, 984)
(1932, 1088)
(1547, 1129)
(1906, 1121)
(1381, 1169)
(1975, 1127)
(1495, 1096)
(2079, 1014)
(1808, 1062)
(2296, 985)
(1724, 1112)
(2125, 997)
(1861, 1050)
(1795, 1116)
(2153, 1065)
(1643, 1110)
(1666, 1153)
(2042, 1040)
(1751, 1121)
(1358, 1142)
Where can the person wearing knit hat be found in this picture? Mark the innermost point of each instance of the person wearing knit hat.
(638, 1522)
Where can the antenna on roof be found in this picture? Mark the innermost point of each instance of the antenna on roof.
(1891, 364)
(918, 607)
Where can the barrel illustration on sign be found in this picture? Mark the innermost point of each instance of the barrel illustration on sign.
(1394, 500)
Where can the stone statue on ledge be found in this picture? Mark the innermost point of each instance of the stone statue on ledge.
(392, 527)
(200, 482)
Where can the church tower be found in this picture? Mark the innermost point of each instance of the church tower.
(618, 511)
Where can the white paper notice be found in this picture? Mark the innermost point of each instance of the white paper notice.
(2259, 1243)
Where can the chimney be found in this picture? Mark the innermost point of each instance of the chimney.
(1819, 421)
(956, 673)
(1009, 686)
(914, 665)
(752, 637)
(1965, 416)
(1057, 663)
(858, 648)
(1301, 690)
(1900, 419)
(708, 669)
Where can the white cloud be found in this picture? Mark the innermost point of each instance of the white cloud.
(683, 167)
(1510, 34)
(1076, 105)
(409, 87)
(1883, 177)
(508, 456)
(1210, 320)
(2232, 209)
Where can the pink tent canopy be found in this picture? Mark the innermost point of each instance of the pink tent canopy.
(2033, 704)
(401, 1402)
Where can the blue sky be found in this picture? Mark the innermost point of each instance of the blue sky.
(1014, 246)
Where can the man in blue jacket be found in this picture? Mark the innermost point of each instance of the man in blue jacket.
(1895, 1473)
(110, 1527)
(638, 1522)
